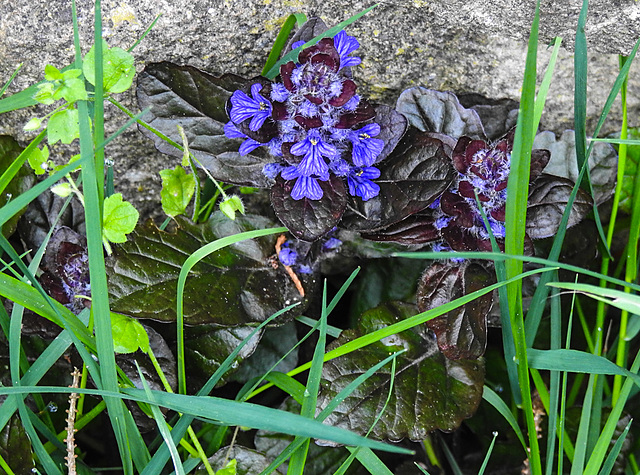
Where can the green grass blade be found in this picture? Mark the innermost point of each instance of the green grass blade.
(191, 261)
(574, 361)
(160, 458)
(499, 405)
(602, 446)
(292, 387)
(515, 221)
(13, 76)
(281, 40)
(370, 461)
(310, 322)
(583, 430)
(162, 426)
(485, 462)
(223, 411)
(607, 467)
(310, 395)
(92, 179)
(543, 90)
(145, 33)
(343, 289)
(455, 468)
(293, 55)
(408, 323)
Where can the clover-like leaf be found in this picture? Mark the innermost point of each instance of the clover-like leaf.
(15, 446)
(63, 126)
(411, 178)
(21, 182)
(120, 218)
(178, 188)
(128, 334)
(436, 111)
(195, 100)
(461, 333)
(548, 198)
(117, 68)
(603, 162)
(498, 116)
(430, 391)
(236, 285)
(308, 219)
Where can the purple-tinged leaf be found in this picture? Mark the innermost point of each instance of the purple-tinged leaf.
(603, 162)
(307, 219)
(548, 198)
(461, 333)
(416, 229)
(498, 116)
(236, 285)
(436, 111)
(430, 391)
(411, 178)
(393, 125)
(195, 100)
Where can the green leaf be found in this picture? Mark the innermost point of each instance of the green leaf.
(34, 124)
(120, 218)
(51, 73)
(128, 334)
(229, 469)
(71, 90)
(178, 188)
(118, 69)
(38, 160)
(63, 126)
(430, 392)
(232, 286)
(230, 205)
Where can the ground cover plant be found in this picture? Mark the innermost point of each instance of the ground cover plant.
(218, 341)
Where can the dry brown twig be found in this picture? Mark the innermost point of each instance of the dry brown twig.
(296, 280)
(71, 419)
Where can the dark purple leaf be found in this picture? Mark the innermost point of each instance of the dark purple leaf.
(498, 116)
(236, 285)
(15, 446)
(307, 219)
(603, 162)
(21, 182)
(393, 125)
(430, 391)
(461, 333)
(411, 178)
(186, 96)
(309, 30)
(548, 198)
(416, 229)
(436, 111)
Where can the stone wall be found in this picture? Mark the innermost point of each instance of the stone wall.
(458, 45)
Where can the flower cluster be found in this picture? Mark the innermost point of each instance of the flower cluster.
(312, 122)
(297, 253)
(483, 169)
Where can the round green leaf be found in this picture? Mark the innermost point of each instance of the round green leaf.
(128, 334)
(117, 68)
(120, 218)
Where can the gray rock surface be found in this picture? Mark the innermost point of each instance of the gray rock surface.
(456, 45)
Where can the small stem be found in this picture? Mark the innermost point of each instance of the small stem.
(71, 418)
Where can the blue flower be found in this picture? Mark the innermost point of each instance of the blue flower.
(279, 93)
(272, 170)
(360, 184)
(248, 146)
(256, 108)
(346, 45)
(288, 256)
(314, 148)
(365, 148)
(305, 186)
(331, 243)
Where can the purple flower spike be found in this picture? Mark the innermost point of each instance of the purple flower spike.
(257, 108)
(360, 184)
(365, 148)
(306, 187)
(346, 45)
